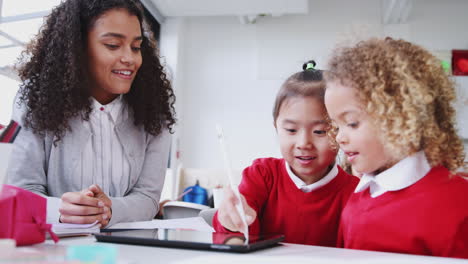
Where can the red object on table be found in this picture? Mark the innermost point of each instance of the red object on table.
(23, 216)
(460, 62)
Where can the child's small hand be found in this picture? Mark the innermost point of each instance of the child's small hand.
(228, 215)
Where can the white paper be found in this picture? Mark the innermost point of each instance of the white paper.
(191, 223)
(62, 229)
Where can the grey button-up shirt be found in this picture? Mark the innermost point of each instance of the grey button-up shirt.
(39, 166)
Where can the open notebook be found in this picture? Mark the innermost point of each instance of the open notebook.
(64, 230)
(191, 223)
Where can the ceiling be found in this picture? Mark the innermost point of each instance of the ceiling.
(393, 11)
(177, 8)
(20, 19)
(246, 10)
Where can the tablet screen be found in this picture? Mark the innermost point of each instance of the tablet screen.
(190, 239)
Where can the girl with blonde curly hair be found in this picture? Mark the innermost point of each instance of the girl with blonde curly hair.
(391, 105)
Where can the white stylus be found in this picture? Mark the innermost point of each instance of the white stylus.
(234, 187)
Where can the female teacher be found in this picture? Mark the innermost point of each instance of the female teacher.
(97, 111)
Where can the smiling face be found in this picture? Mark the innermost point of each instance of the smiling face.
(301, 127)
(113, 49)
(357, 136)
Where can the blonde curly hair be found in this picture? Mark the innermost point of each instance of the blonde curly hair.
(407, 93)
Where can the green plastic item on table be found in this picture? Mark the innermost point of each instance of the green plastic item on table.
(98, 254)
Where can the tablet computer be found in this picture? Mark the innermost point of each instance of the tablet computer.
(181, 238)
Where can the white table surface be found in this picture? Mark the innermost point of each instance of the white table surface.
(285, 253)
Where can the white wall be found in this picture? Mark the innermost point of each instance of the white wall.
(8, 90)
(229, 72)
(439, 25)
(171, 50)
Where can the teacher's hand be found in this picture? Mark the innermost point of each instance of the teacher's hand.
(81, 208)
(97, 192)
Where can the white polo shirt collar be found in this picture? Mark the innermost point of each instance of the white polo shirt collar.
(301, 185)
(401, 175)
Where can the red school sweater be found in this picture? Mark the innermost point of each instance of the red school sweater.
(429, 217)
(304, 218)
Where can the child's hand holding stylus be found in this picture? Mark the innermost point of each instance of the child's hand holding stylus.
(239, 207)
(229, 216)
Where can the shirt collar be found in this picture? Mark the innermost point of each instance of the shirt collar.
(113, 108)
(300, 184)
(401, 175)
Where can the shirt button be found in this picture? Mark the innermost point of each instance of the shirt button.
(102, 108)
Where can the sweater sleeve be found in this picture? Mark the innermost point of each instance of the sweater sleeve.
(218, 227)
(28, 161)
(254, 187)
(142, 201)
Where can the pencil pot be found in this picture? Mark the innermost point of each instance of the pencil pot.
(197, 195)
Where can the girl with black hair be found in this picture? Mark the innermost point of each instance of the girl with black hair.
(302, 194)
(97, 111)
